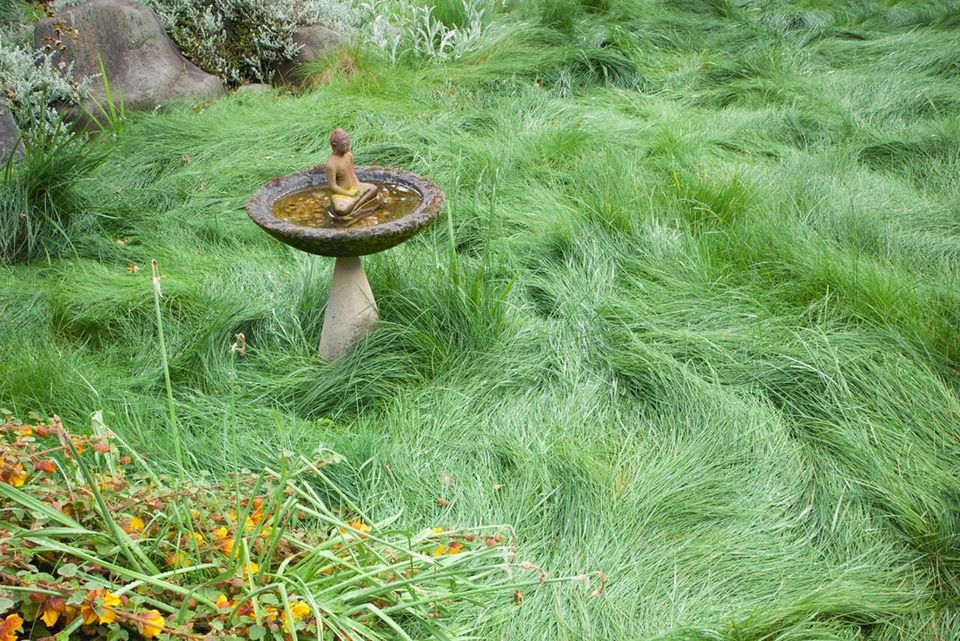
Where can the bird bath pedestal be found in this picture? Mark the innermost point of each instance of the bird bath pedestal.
(351, 308)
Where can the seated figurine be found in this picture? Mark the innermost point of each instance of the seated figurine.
(348, 196)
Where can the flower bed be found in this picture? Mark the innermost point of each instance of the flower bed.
(95, 544)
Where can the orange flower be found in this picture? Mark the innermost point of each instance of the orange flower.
(9, 626)
(229, 547)
(455, 548)
(246, 610)
(257, 516)
(98, 607)
(150, 623)
(223, 602)
(48, 466)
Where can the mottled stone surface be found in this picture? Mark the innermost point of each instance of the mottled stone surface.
(141, 61)
(346, 241)
(315, 41)
(10, 142)
(351, 310)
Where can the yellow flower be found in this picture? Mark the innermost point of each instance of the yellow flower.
(150, 624)
(437, 530)
(440, 550)
(455, 548)
(198, 538)
(51, 609)
(356, 524)
(221, 533)
(252, 568)
(178, 560)
(299, 610)
(135, 524)
(98, 607)
(15, 475)
(49, 616)
(223, 602)
(9, 626)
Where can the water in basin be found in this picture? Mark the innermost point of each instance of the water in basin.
(311, 208)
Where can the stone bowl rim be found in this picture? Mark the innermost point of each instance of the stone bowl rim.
(259, 206)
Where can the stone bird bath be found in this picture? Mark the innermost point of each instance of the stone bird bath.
(291, 209)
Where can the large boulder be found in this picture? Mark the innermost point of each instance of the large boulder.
(140, 60)
(315, 41)
(10, 142)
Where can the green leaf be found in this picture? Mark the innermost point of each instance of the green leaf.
(6, 604)
(106, 549)
(118, 634)
(68, 570)
(35, 506)
(256, 632)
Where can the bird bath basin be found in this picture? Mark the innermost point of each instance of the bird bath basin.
(294, 210)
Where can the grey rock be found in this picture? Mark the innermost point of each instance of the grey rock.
(315, 41)
(139, 58)
(10, 142)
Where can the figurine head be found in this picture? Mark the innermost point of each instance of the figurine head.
(340, 141)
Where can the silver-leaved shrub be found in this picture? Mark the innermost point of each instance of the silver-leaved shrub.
(31, 83)
(244, 40)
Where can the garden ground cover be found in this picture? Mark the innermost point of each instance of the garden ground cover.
(692, 319)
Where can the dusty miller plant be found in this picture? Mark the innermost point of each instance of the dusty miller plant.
(32, 86)
(402, 28)
(243, 39)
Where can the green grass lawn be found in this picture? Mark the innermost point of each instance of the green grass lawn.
(692, 319)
